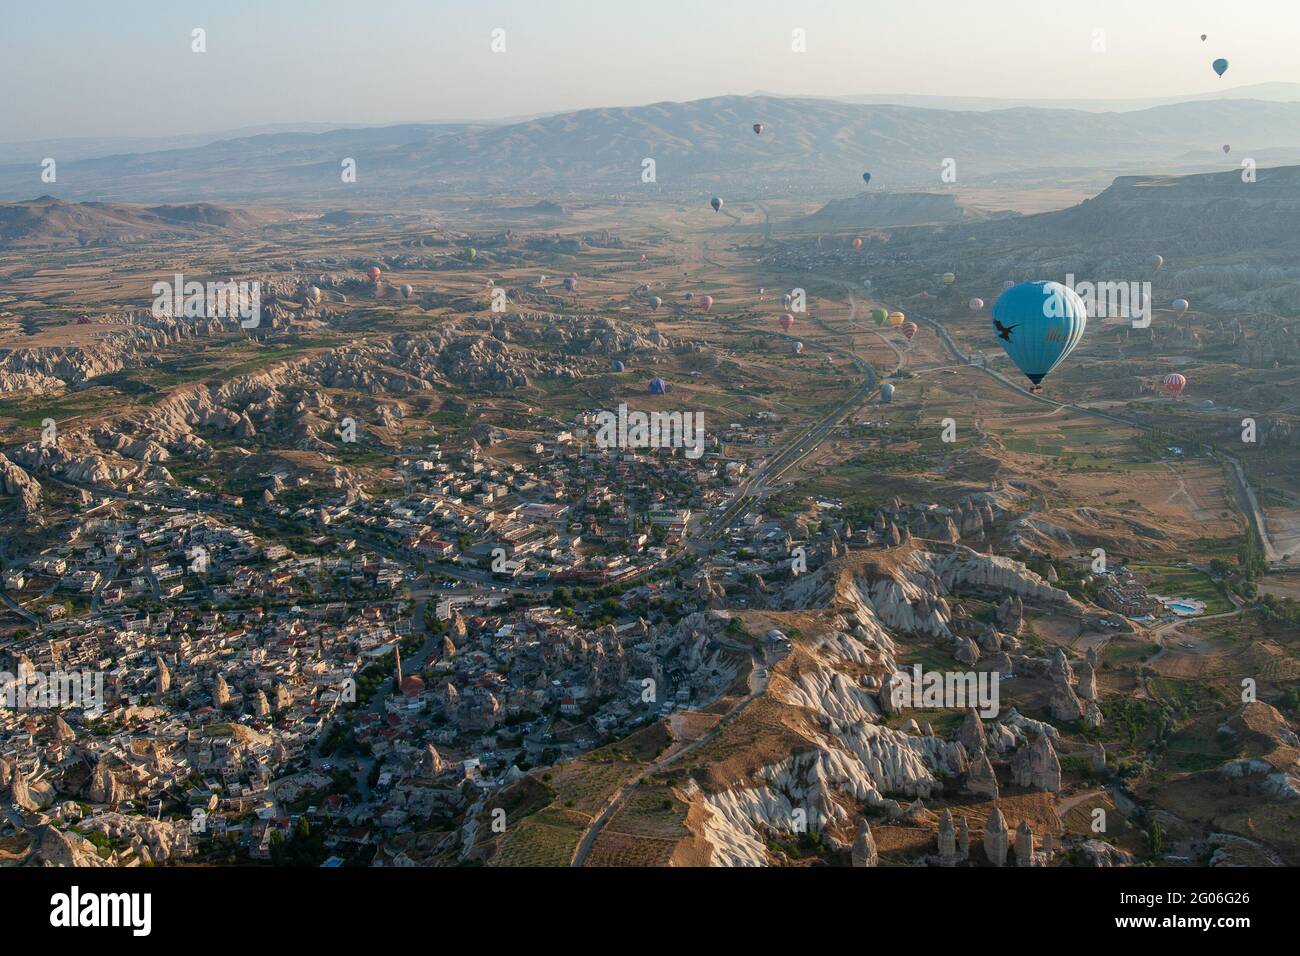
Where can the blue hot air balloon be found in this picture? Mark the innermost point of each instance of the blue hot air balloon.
(1039, 324)
(1220, 66)
(866, 177)
(658, 386)
(617, 366)
(887, 392)
(796, 348)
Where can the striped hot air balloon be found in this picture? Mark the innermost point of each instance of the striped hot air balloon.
(896, 319)
(908, 329)
(786, 320)
(1174, 384)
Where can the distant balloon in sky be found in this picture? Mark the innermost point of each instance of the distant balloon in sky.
(866, 177)
(570, 283)
(313, 294)
(949, 278)
(471, 252)
(866, 284)
(758, 128)
(887, 392)
(706, 302)
(879, 315)
(1203, 36)
(1174, 384)
(1038, 324)
(796, 347)
(406, 290)
(658, 386)
(1179, 305)
(896, 319)
(1220, 66)
(373, 273)
(689, 296)
(857, 243)
(716, 203)
(976, 304)
(617, 366)
(655, 302)
(1227, 148)
(908, 329)
(786, 320)
(1156, 261)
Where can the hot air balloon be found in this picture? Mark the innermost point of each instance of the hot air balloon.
(658, 386)
(758, 128)
(406, 290)
(617, 366)
(655, 302)
(786, 320)
(866, 177)
(896, 319)
(949, 278)
(689, 296)
(1156, 261)
(1039, 324)
(887, 392)
(976, 304)
(1174, 384)
(786, 300)
(1227, 148)
(570, 283)
(1179, 305)
(1220, 66)
(1203, 36)
(373, 273)
(908, 329)
(857, 243)
(866, 284)
(471, 252)
(716, 203)
(706, 302)
(313, 294)
(879, 315)
(796, 347)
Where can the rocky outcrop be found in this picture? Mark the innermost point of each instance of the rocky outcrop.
(996, 837)
(864, 847)
(1037, 766)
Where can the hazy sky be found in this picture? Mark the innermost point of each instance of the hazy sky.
(124, 67)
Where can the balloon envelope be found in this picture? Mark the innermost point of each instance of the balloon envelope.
(866, 177)
(1038, 324)
(896, 319)
(1174, 384)
(373, 273)
(570, 283)
(1157, 261)
(655, 302)
(857, 243)
(1220, 66)
(1179, 305)
(716, 203)
(887, 392)
(879, 315)
(786, 321)
(796, 347)
(1227, 148)
(617, 366)
(976, 304)
(706, 302)
(949, 278)
(658, 386)
(758, 128)
(406, 290)
(908, 329)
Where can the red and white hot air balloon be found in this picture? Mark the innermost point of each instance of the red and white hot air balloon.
(786, 321)
(706, 302)
(857, 243)
(908, 329)
(373, 273)
(1174, 384)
